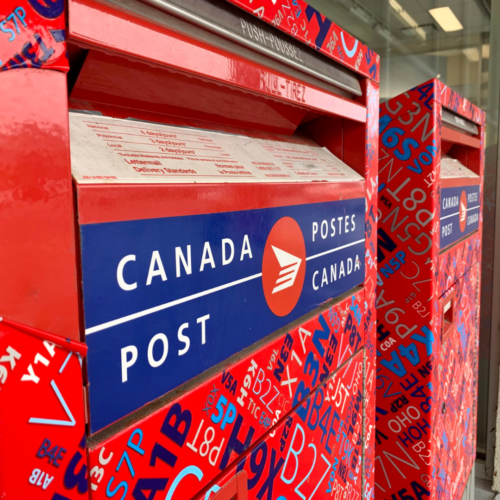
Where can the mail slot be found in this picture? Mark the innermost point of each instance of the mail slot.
(429, 247)
(447, 305)
(208, 230)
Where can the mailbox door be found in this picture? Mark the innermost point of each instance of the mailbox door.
(203, 431)
(455, 396)
(315, 452)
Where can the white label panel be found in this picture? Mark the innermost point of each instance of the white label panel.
(452, 169)
(111, 150)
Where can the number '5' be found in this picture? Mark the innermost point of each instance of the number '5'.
(390, 139)
(228, 417)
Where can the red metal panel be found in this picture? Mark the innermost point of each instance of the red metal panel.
(427, 353)
(105, 203)
(455, 397)
(38, 257)
(450, 135)
(102, 26)
(207, 428)
(455, 262)
(371, 223)
(450, 182)
(32, 35)
(310, 27)
(106, 78)
(42, 423)
(453, 100)
(435, 91)
(320, 130)
(235, 489)
(314, 453)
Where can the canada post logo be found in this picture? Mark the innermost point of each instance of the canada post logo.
(462, 214)
(284, 266)
(460, 210)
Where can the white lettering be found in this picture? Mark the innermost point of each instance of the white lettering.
(119, 274)
(314, 282)
(160, 271)
(186, 262)
(314, 229)
(152, 361)
(203, 320)
(127, 363)
(246, 250)
(207, 257)
(225, 259)
(183, 338)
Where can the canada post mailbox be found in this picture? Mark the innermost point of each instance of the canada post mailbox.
(167, 294)
(218, 163)
(429, 248)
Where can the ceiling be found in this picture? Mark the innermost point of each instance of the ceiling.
(412, 55)
(365, 19)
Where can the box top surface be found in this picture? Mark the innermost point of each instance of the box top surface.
(313, 29)
(116, 151)
(454, 169)
(434, 91)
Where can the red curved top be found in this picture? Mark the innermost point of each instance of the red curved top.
(457, 103)
(435, 90)
(305, 23)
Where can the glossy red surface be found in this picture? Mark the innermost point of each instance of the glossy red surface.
(456, 137)
(42, 420)
(435, 91)
(68, 344)
(101, 26)
(37, 257)
(105, 203)
(320, 130)
(461, 181)
(299, 447)
(40, 284)
(130, 83)
(323, 351)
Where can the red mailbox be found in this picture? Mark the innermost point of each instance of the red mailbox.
(429, 248)
(203, 217)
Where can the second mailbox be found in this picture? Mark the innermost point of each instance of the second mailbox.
(429, 248)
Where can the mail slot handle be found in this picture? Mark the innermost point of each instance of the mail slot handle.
(447, 318)
(235, 489)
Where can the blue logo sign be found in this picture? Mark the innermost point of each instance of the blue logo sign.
(166, 299)
(459, 213)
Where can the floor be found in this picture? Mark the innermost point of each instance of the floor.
(481, 486)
